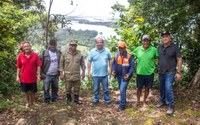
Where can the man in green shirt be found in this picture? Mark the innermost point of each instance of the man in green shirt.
(145, 66)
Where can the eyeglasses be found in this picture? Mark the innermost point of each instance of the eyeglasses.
(164, 51)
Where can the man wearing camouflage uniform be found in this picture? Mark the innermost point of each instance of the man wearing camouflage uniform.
(70, 64)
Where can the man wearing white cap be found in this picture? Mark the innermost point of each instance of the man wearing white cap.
(145, 66)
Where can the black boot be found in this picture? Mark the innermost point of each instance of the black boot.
(69, 98)
(76, 99)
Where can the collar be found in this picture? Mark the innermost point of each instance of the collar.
(142, 48)
(168, 45)
(99, 50)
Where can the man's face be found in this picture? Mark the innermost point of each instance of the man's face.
(52, 47)
(73, 47)
(166, 39)
(99, 44)
(146, 43)
(122, 50)
(26, 47)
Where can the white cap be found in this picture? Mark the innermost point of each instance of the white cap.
(145, 37)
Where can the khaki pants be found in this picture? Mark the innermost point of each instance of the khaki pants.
(75, 85)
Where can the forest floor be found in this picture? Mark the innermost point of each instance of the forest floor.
(187, 111)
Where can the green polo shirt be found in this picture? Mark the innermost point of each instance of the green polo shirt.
(145, 63)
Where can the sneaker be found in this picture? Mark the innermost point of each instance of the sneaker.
(119, 109)
(170, 111)
(160, 104)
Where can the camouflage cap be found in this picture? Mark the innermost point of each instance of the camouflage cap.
(74, 42)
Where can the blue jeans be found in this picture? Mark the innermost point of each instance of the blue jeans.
(166, 88)
(51, 81)
(122, 87)
(104, 82)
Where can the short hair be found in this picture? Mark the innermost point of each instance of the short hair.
(99, 38)
(52, 42)
(25, 42)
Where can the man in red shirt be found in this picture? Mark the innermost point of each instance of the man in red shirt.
(28, 72)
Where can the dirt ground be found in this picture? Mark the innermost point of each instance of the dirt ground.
(187, 111)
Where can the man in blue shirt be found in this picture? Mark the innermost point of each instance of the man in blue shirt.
(99, 59)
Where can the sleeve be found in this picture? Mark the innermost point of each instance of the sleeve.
(114, 63)
(156, 53)
(131, 69)
(134, 52)
(18, 62)
(83, 67)
(61, 64)
(90, 56)
(178, 52)
(109, 56)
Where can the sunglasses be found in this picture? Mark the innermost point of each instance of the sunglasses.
(73, 45)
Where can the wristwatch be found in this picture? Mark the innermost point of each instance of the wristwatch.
(178, 72)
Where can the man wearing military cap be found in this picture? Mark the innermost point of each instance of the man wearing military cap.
(70, 64)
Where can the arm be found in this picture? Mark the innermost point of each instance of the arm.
(89, 68)
(110, 67)
(61, 67)
(83, 67)
(38, 74)
(131, 69)
(18, 75)
(179, 63)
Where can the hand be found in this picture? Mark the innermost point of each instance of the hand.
(18, 79)
(178, 76)
(126, 76)
(113, 73)
(38, 79)
(62, 77)
(83, 75)
(90, 74)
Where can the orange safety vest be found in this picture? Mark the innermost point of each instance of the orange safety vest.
(124, 61)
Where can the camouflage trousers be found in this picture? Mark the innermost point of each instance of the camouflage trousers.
(72, 86)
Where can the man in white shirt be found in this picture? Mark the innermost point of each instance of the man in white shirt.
(49, 71)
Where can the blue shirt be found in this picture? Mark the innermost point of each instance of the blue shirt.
(99, 61)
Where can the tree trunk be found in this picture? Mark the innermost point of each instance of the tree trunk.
(47, 27)
(196, 80)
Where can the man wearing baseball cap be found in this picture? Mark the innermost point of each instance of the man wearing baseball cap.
(170, 57)
(122, 69)
(71, 64)
(145, 60)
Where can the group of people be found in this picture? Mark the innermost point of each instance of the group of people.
(70, 66)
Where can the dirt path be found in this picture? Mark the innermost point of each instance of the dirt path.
(59, 113)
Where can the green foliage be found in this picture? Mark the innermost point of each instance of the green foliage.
(181, 18)
(4, 103)
(87, 84)
(14, 26)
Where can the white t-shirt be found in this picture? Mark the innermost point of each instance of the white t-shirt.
(53, 68)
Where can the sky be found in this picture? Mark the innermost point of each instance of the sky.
(84, 8)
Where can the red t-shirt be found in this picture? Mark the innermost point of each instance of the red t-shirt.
(28, 67)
